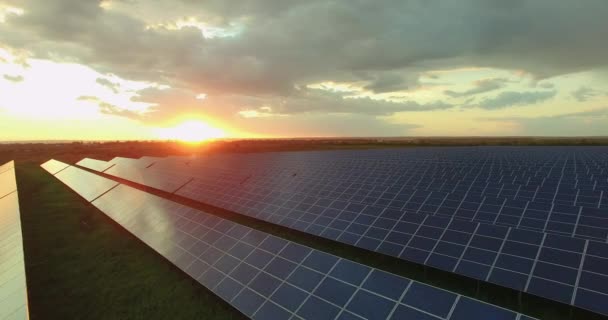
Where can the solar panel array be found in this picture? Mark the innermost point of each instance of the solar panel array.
(13, 289)
(538, 207)
(266, 277)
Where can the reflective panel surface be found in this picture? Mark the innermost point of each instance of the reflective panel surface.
(266, 277)
(8, 183)
(86, 184)
(155, 179)
(53, 166)
(13, 290)
(94, 164)
(141, 163)
(7, 166)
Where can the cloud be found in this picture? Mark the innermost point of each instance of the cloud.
(274, 49)
(113, 86)
(591, 122)
(286, 43)
(320, 101)
(513, 98)
(308, 101)
(110, 109)
(352, 125)
(480, 86)
(390, 82)
(16, 78)
(583, 94)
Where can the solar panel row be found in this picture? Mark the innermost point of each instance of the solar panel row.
(13, 290)
(266, 277)
(586, 223)
(426, 174)
(463, 202)
(555, 267)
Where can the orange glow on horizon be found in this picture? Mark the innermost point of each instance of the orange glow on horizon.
(192, 131)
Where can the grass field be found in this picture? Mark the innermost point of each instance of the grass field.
(81, 265)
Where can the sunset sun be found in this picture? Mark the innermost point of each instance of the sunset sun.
(192, 131)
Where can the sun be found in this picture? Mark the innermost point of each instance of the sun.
(192, 131)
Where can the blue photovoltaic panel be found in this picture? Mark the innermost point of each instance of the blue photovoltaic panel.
(404, 185)
(266, 277)
(53, 166)
(94, 164)
(87, 185)
(13, 290)
(506, 256)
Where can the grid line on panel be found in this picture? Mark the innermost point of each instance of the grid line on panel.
(407, 289)
(326, 275)
(580, 270)
(502, 245)
(535, 262)
(454, 307)
(343, 308)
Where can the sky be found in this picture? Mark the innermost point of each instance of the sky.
(186, 69)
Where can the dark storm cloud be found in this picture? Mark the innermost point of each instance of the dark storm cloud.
(514, 98)
(481, 86)
(283, 45)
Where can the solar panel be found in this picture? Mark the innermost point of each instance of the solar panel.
(7, 166)
(13, 290)
(155, 179)
(150, 159)
(138, 163)
(510, 257)
(7, 182)
(53, 166)
(86, 184)
(94, 164)
(266, 277)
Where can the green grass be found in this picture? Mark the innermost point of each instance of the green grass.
(81, 265)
